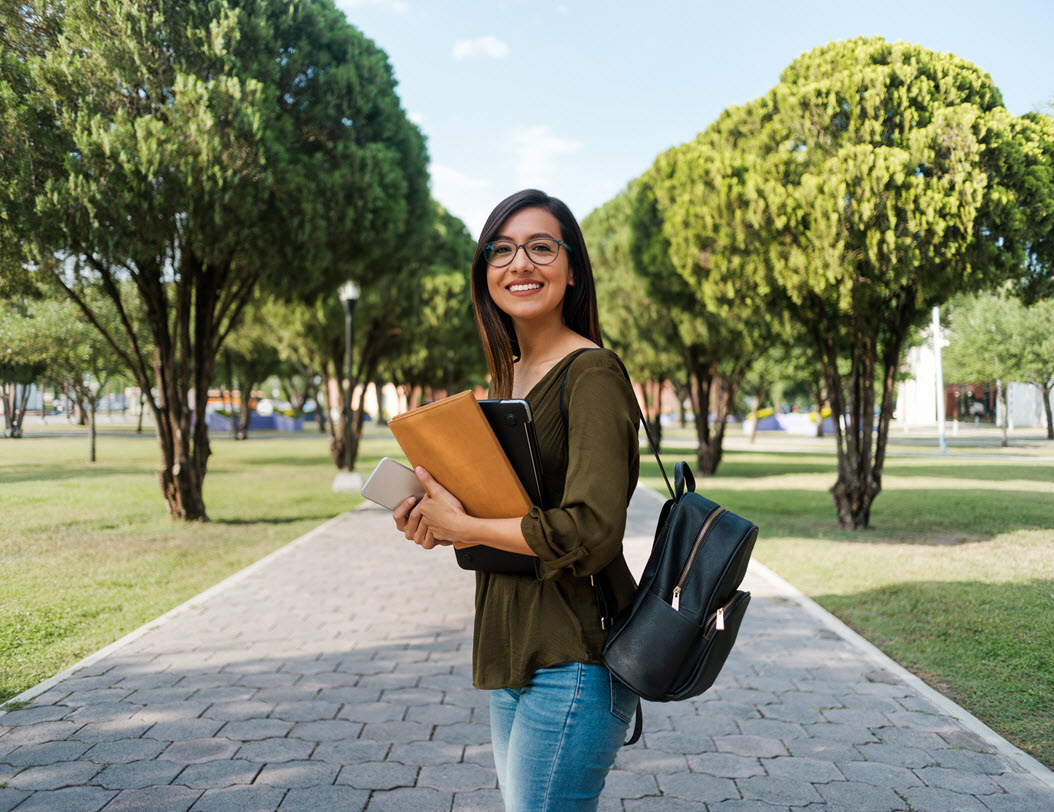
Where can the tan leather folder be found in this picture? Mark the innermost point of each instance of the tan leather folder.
(453, 441)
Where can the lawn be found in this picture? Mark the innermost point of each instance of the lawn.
(954, 578)
(89, 553)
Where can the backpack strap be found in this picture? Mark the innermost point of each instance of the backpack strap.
(643, 419)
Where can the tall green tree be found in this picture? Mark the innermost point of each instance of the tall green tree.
(406, 324)
(875, 181)
(78, 357)
(699, 228)
(899, 174)
(436, 345)
(636, 326)
(202, 150)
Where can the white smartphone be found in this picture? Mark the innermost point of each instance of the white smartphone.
(391, 484)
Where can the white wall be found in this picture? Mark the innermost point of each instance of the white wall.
(916, 403)
(917, 395)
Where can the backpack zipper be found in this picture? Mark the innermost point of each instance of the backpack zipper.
(718, 620)
(675, 601)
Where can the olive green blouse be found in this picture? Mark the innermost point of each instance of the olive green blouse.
(524, 623)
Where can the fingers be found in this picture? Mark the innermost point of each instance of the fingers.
(402, 512)
(426, 479)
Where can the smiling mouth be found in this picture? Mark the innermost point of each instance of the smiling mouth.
(522, 286)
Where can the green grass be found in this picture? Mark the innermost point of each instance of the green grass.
(954, 578)
(89, 552)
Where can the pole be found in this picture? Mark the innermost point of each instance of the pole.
(349, 304)
(939, 380)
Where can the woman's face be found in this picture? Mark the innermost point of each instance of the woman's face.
(523, 289)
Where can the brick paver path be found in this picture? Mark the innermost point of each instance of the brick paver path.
(335, 675)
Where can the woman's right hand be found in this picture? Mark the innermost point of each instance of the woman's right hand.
(410, 522)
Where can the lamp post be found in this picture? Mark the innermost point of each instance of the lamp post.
(942, 443)
(349, 295)
(348, 480)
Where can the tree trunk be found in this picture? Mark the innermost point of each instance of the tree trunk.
(8, 394)
(817, 394)
(711, 440)
(246, 409)
(852, 501)
(1046, 390)
(701, 376)
(91, 429)
(653, 409)
(1004, 424)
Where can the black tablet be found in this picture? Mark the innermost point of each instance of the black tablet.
(514, 428)
(512, 424)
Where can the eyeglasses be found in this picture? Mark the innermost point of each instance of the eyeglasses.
(542, 251)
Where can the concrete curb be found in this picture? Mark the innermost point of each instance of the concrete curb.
(875, 654)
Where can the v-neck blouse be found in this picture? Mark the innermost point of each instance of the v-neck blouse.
(590, 468)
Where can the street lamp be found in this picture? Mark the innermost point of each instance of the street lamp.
(349, 295)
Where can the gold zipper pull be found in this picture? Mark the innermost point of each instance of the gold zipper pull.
(676, 601)
(721, 619)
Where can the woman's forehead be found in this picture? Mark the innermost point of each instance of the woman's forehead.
(530, 222)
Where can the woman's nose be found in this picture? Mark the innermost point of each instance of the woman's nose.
(520, 261)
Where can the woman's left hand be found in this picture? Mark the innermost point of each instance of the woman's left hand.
(440, 509)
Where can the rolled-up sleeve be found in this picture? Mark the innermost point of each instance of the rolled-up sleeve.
(584, 534)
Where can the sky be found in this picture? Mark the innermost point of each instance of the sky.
(578, 97)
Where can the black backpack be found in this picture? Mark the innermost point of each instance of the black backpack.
(671, 642)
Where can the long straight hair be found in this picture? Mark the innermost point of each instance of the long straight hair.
(579, 309)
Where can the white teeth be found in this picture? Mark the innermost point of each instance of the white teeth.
(525, 286)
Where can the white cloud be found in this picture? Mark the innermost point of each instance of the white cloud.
(462, 195)
(480, 46)
(417, 118)
(536, 151)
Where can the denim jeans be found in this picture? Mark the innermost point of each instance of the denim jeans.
(556, 738)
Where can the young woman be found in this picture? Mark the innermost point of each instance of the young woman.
(557, 715)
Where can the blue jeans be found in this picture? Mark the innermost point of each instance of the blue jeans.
(555, 739)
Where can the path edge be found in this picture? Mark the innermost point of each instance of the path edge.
(150, 625)
(786, 589)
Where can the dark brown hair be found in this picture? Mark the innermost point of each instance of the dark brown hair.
(580, 300)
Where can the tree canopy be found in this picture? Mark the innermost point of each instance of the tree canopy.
(874, 181)
(201, 151)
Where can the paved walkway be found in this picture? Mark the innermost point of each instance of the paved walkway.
(334, 675)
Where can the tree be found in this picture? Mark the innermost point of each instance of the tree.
(22, 361)
(435, 343)
(77, 354)
(248, 359)
(200, 151)
(698, 224)
(635, 326)
(875, 181)
(995, 337)
(406, 324)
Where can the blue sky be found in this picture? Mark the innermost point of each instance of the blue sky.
(577, 97)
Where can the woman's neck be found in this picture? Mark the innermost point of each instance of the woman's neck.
(540, 350)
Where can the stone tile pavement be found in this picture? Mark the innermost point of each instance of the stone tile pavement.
(335, 675)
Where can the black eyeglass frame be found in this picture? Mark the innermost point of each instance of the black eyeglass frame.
(523, 245)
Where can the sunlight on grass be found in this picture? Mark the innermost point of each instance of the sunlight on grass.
(90, 553)
(954, 578)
